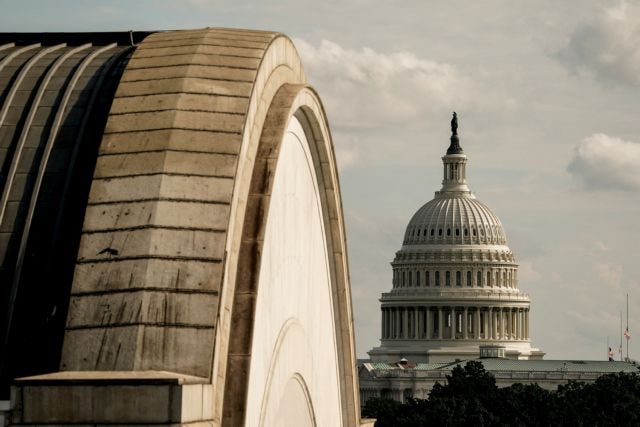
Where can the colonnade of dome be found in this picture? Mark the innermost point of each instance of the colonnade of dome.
(458, 322)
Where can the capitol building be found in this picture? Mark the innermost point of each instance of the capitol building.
(455, 281)
(455, 298)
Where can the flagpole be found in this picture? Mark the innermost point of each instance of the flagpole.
(620, 348)
(627, 327)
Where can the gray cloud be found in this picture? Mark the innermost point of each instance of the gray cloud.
(603, 162)
(608, 46)
(366, 88)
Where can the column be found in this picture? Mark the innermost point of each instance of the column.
(440, 323)
(396, 320)
(465, 323)
(526, 324)
(490, 320)
(503, 324)
(427, 322)
(508, 325)
(405, 324)
(496, 324)
(416, 323)
(382, 322)
(476, 328)
(454, 322)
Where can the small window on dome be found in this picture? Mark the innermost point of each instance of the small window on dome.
(457, 231)
(424, 232)
(466, 232)
(440, 232)
(437, 278)
(447, 277)
(432, 231)
(474, 231)
(448, 232)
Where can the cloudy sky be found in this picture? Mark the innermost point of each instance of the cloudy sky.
(548, 98)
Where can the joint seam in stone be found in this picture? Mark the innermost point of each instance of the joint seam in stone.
(134, 175)
(228, 132)
(155, 227)
(146, 289)
(188, 110)
(160, 199)
(148, 256)
(186, 77)
(150, 324)
(166, 150)
(184, 92)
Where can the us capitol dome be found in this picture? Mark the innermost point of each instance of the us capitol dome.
(455, 281)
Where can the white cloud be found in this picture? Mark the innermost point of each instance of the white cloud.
(364, 88)
(606, 162)
(527, 273)
(347, 151)
(609, 274)
(608, 46)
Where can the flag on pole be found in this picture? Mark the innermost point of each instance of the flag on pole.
(627, 334)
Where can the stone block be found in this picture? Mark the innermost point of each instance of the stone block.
(163, 213)
(152, 243)
(193, 58)
(184, 84)
(162, 307)
(182, 101)
(110, 398)
(143, 188)
(174, 139)
(199, 71)
(156, 273)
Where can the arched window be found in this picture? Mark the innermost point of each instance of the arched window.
(473, 231)
(458, 278)
(424, 232)
(457, 231)
(410, 278)
(403, 277)
(479, 279)
(440, 232)
(417, 278)
(427, 277)
(489, 284)
(447, 278)
(432, 230)
(437, 278)
(448, 232)
(466, 232)
(469, 278)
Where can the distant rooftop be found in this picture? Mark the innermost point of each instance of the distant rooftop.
(497, 364)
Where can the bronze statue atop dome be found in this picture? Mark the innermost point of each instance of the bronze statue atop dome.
(454, 147)
(454, 124)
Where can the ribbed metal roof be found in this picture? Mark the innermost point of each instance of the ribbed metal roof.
(455, 220)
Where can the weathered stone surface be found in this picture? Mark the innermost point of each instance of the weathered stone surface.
(162, 213)
(182, 101)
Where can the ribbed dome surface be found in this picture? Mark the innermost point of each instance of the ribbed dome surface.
(455, 220)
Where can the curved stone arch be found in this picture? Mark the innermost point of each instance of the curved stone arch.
(302, 103)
